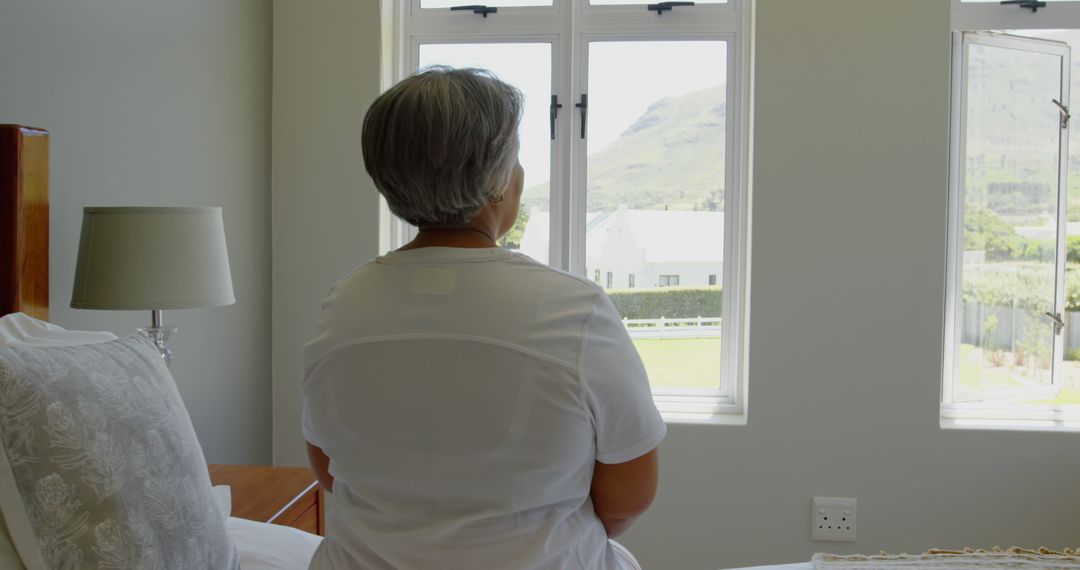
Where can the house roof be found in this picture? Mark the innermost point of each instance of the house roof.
(664, 236)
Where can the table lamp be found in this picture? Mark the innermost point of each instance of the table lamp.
(152, 259)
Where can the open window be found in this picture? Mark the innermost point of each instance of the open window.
(1008, 318)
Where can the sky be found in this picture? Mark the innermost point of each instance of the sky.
(624, 79)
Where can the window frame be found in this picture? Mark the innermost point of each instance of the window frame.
(568, 25)
(974, 16)
(980, 20)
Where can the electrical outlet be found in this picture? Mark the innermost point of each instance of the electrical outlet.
(833, 519)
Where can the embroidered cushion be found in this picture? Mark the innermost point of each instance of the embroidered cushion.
(100, 466)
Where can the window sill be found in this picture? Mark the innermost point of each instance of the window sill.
(732, 419)
(710, 408)
(1010, 418)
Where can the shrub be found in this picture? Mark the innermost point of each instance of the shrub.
(990, 325)
(668, 302)
(1073, 253)
(1020, 285)
(985, 229)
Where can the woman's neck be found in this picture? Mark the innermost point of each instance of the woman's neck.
(465, 237)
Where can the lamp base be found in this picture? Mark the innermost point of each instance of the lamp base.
(159, 334)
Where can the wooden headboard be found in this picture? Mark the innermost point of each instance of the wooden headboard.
(24, 221)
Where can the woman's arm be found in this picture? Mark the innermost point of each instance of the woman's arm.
(622, 491)
(320, 464)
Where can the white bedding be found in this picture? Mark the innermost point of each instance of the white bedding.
(799, 566)
(265, 546)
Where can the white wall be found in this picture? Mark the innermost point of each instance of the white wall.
(847, 293)
(325, 208)
(151, 102)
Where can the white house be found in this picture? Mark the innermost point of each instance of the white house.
(642, 248)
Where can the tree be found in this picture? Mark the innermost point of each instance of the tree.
(512, 239)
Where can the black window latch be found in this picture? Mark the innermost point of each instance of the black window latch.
(583, 106)
(1033, 4)
(666, 7)
(554, 113)
(475, 9)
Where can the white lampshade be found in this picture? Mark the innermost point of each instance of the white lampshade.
(152, 259)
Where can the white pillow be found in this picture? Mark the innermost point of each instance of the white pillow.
(18, 328)
(100, 465)
(223, 498)
(9, 559)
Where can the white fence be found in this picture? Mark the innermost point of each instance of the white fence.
(1012, 324)
(700, 327)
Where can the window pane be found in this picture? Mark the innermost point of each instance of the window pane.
(655, 198)
(491, 3)
(1010, 219)
(1069, 379)
(526, 66)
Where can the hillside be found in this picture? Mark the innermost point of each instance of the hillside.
(672, 156)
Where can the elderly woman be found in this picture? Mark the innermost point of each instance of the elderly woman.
(468, 407)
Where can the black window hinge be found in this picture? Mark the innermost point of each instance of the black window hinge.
(475, 9)
(1065, 116)
(666, 7)
(1033, 4)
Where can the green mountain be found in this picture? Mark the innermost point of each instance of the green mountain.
(672, 156)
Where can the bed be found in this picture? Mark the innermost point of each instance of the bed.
(799, 566)
(24, 303)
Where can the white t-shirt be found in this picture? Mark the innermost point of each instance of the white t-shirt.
(463, 396)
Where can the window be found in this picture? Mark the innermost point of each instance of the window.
(668, 280)
(634, 142)
(1013, 307)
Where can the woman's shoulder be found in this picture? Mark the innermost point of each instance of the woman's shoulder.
(556, 277)
(524, 271)
(359, 269)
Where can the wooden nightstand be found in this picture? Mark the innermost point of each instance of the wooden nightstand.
(288, 496)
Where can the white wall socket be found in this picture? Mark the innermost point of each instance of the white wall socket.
(833, 519)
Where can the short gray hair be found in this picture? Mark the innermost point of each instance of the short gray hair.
(442, 144)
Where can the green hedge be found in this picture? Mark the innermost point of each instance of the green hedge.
(1020, 284)
(668, 302)
(1024, 285)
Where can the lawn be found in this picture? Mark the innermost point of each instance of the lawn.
(1067, 397)
(682, 362)
(972, 377)
(695, 363)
